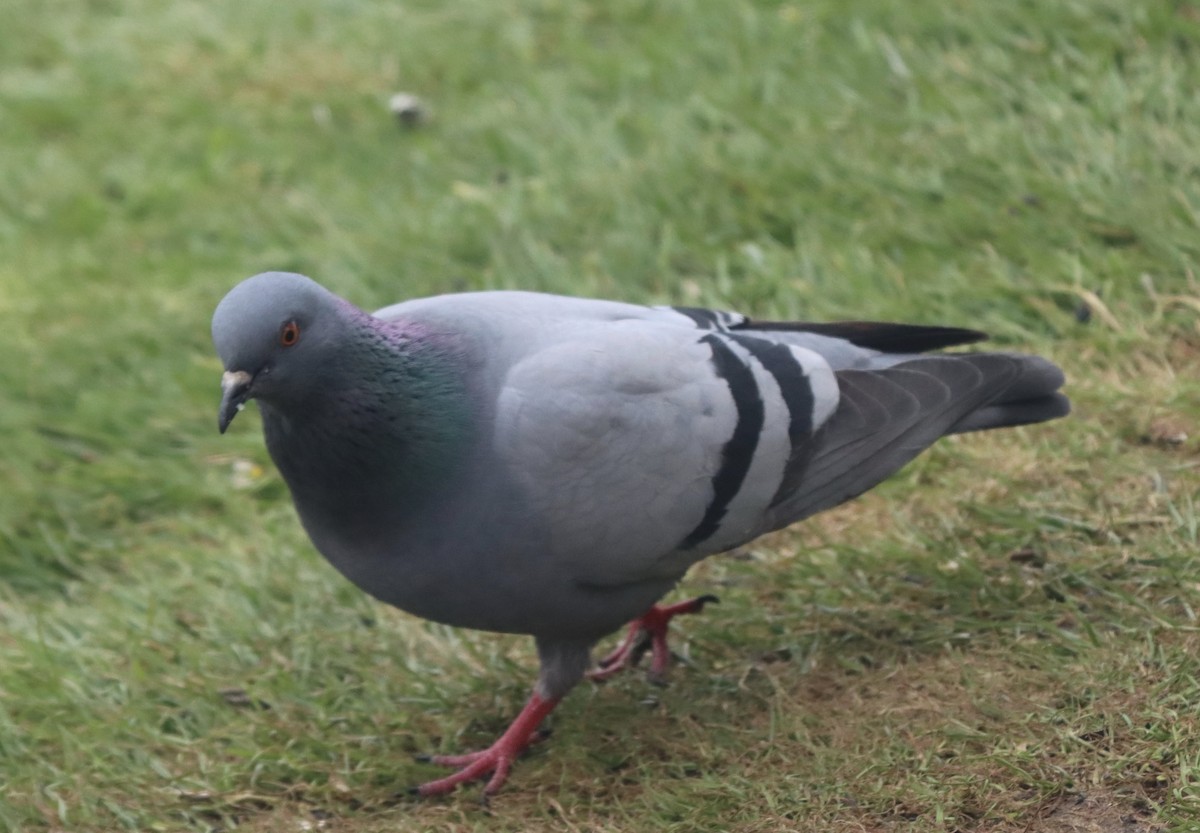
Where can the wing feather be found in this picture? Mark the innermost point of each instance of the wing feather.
(884, 419)
(628, 422)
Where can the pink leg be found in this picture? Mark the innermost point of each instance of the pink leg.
(647, 633)
(496, 759)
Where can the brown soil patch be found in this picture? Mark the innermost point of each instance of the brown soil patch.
(1095, 812)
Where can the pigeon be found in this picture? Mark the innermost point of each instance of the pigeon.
(537, 464)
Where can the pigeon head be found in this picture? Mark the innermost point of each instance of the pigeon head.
(276, 334)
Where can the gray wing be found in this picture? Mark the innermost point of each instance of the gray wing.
(643, 447)
(893, 403)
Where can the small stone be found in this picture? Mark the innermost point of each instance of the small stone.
(409, 110)
(1167, 431)
(239, 699)
(1027, 555)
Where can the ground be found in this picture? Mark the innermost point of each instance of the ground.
(1001, 638)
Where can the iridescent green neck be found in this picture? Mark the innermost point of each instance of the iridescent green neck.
(389, 429)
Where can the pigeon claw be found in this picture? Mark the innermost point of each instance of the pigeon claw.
(493, 760)
(498, 758)
(648, 633)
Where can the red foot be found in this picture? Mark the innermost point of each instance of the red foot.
(497, 758)
(649, 633)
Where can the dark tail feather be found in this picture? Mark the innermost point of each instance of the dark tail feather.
(1015, 413)
(1032, 397)
(887, 416)
(875, 335)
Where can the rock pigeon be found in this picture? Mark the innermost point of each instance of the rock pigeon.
(545, 465)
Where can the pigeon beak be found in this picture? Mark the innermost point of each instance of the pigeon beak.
(235, 390)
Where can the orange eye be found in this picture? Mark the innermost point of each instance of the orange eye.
(289, 334)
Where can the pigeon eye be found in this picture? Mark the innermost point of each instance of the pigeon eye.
(289, 334)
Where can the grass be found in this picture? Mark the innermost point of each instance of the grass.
(1002, 638)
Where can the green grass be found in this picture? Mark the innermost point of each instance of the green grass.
(1002, 638)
